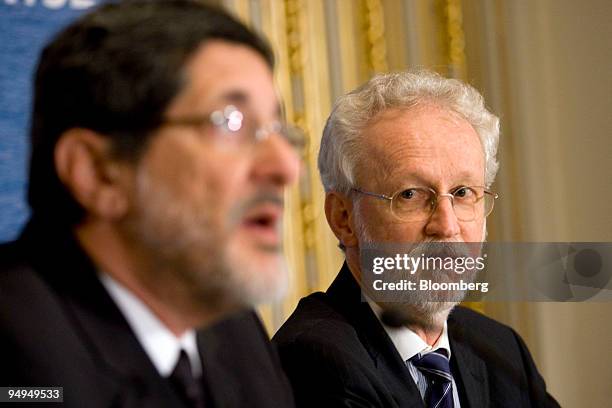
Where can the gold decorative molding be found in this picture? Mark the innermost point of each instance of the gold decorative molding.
(456, 39)
(297, 31)
(376, 46)
(321, 259)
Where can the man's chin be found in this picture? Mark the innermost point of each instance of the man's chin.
(260, 273)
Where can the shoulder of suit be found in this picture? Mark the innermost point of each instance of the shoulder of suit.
(11, 256)
(473, 323)
(16, 269)
(314, 320)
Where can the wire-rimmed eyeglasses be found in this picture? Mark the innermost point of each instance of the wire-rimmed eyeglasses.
(232, 127)
(419, 203)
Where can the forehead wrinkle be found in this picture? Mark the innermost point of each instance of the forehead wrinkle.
(384, 154)
(407, 157)
(376, 170)
(406, 150)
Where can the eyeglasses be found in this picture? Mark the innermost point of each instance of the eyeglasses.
(232, 128)
(418, 204)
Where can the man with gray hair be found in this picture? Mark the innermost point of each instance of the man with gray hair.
(407, 158)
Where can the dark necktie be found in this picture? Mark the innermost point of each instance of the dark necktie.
(186, 385)
(436, 368)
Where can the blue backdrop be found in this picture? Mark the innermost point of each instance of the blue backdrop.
(25, 26)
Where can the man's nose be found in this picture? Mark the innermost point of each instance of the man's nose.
(276, 161)
(443, 222)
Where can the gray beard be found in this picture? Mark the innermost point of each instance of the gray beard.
(189, 254)
(425, 309)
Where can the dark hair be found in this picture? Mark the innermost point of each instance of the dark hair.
(115, 71)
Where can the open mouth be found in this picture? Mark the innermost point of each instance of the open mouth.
(263, 223)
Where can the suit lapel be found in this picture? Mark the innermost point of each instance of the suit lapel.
(117, 348)
(223, 390)
(471, 369)
(113, 348)
(346, 295)
(239, 361)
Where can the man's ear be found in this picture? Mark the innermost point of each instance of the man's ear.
(338, 210)
(84, 165)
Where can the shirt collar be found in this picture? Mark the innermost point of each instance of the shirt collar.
(407, 342)
(160, 344)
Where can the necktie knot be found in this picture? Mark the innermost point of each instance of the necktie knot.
(435, 367)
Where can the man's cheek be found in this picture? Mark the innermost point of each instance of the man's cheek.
(473, 231)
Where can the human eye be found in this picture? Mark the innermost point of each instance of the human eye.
(234, 120)
(228, 119)
(408, 194)
(414, 195)
(411, 200)
(233, 127)
(465, 194)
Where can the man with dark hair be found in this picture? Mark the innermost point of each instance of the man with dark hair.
(158, 164)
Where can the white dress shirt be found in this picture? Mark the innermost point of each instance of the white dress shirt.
(160, 344)
(409, 344)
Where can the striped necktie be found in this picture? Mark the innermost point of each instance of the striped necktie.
(436, 368)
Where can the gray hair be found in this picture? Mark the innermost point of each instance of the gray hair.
(340, 145)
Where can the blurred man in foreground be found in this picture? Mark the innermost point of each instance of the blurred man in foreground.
(159, 160)
(408, 158)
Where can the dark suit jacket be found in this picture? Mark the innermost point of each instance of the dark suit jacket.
(59, 327)
(337, 354)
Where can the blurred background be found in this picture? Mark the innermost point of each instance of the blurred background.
(544, 67)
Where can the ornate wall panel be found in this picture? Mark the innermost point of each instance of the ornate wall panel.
(325, 48)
